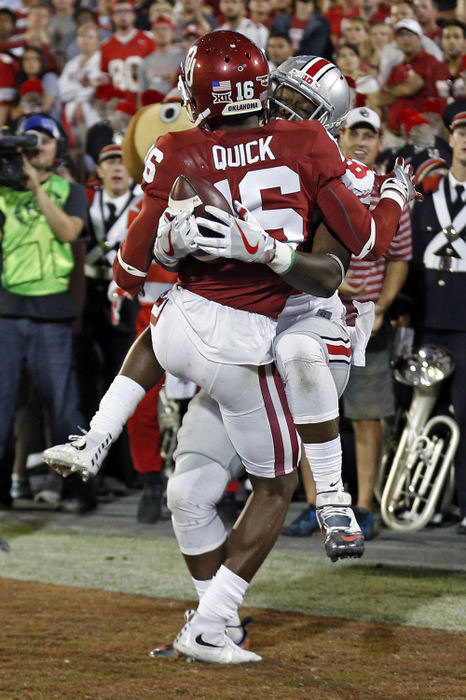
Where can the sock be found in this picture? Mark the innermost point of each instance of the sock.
(220, 603)
(325, 461)
(201, 587)
(117, 405)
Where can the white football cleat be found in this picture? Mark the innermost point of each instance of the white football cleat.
(192, 643)
(83, 454)
(343, 536)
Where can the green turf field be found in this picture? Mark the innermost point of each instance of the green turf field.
(287, 581)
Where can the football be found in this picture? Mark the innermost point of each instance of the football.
(191, 188)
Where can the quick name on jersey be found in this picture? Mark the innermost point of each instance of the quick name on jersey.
(242, 154)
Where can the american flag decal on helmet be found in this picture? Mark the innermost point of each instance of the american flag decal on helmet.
(221, 86)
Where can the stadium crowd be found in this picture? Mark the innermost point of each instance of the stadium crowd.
(76, 73)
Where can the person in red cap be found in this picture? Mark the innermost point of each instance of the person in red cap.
(31, 96)
(123, 53)
(160, 68)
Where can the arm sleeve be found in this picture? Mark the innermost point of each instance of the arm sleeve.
(135, 255)
(364, 233)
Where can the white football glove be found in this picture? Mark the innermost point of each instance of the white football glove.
(401, 185)
(175, 236)
(239, 238)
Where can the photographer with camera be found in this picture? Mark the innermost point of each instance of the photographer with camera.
(40, 215)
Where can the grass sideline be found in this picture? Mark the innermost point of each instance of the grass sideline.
(287, 581)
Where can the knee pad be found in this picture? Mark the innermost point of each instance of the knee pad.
(193, 491)
(302, 362)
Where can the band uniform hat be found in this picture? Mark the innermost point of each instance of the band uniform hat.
(113, 150)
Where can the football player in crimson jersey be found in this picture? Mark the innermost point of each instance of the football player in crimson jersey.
(249, 544)
(123, 53)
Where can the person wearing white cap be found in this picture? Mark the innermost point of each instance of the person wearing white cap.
(408, 83)
(391, 54)
(369, 396)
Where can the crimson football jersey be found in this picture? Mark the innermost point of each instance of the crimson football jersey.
(122, 59)
(281, 173)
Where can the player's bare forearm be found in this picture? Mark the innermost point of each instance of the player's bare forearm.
(317, 274)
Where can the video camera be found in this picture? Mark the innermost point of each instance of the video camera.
(11, 159)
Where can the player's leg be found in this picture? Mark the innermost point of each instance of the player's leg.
(313, 359)
(254, 411)
(269, 454)
(205, 461)
(85, 455)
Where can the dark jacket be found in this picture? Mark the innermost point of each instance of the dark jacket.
(316, 37)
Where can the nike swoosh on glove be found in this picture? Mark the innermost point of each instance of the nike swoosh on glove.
(175, 236)
(240, 238)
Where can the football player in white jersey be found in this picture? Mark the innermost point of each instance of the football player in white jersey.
(326, 504)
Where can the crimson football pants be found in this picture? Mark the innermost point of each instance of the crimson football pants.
(143, 427)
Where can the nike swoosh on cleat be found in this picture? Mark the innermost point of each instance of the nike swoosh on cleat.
(170, 250)
(250, 248)
(350, 538)
(200, 641)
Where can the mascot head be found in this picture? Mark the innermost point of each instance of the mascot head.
(147, 125)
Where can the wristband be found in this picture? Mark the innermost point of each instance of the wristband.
(340, 264)
(284, 260)
(394, 191)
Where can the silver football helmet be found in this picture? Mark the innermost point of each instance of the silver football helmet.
(319, 81)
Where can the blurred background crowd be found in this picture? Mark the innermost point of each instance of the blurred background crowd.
(78, 72)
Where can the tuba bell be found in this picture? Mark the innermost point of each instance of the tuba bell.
(421, 474)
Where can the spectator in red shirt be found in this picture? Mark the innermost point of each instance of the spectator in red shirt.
(449, 77)
(338, 13)
(408, 83)
(426, 15)
(123, 53)
(374, 11)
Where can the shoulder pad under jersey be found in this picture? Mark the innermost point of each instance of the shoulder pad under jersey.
(358, 178)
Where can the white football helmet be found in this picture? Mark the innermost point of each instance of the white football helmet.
(319, 81)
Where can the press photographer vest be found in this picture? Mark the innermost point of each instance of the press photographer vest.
(35, 262)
